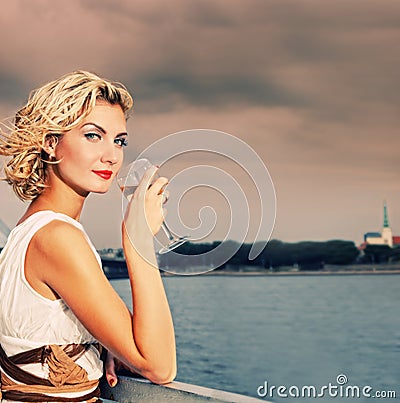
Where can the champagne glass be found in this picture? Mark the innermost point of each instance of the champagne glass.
(128, 180)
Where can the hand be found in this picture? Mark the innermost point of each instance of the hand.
(145, 210)
(112, 366)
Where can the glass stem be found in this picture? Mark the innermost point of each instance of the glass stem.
(167, 231)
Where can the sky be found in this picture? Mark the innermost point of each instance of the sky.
(313, 87)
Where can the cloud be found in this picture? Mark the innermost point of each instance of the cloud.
(289, 53)
(312, 86)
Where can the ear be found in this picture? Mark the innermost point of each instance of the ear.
(49, 146)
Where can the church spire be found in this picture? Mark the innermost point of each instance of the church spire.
(385, 216)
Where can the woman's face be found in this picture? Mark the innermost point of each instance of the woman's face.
(92, 153)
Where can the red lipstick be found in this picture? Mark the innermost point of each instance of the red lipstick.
(105, 174)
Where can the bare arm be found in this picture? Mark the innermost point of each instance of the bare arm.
(60, 258)
(152, 327)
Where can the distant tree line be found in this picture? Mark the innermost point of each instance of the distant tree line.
(380, 254)
(306, 255)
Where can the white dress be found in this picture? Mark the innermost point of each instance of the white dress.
(27, 319)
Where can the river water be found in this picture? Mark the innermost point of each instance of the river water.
(247, 334)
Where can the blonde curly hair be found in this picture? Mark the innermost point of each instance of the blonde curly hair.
(52, 110)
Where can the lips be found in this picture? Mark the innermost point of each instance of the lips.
(104, 174)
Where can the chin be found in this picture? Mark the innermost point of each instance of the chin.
(100, 191)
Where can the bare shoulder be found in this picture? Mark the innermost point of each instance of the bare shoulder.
(56, 230)
(58, 235)
(62, 245)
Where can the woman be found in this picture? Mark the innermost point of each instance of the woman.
(56, 303)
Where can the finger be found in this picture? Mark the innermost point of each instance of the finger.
(157, 188)
(111, 375)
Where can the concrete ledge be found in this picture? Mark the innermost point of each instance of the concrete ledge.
(141, 390)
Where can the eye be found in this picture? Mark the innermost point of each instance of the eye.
(91, 136)
(121, 141)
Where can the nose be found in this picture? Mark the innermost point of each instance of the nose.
(110, 155)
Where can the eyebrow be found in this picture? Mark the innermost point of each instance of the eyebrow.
(102, 130)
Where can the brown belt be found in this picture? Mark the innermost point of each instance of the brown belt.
(65, 375)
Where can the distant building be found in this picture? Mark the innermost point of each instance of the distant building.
(110, 253)
(382, 238)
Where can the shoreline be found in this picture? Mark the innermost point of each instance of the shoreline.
(302, 273)
(248, 271)
(114, 269)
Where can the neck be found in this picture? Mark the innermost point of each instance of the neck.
(68, 203)
(58, 197)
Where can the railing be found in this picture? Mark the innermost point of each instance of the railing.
(141, 390)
